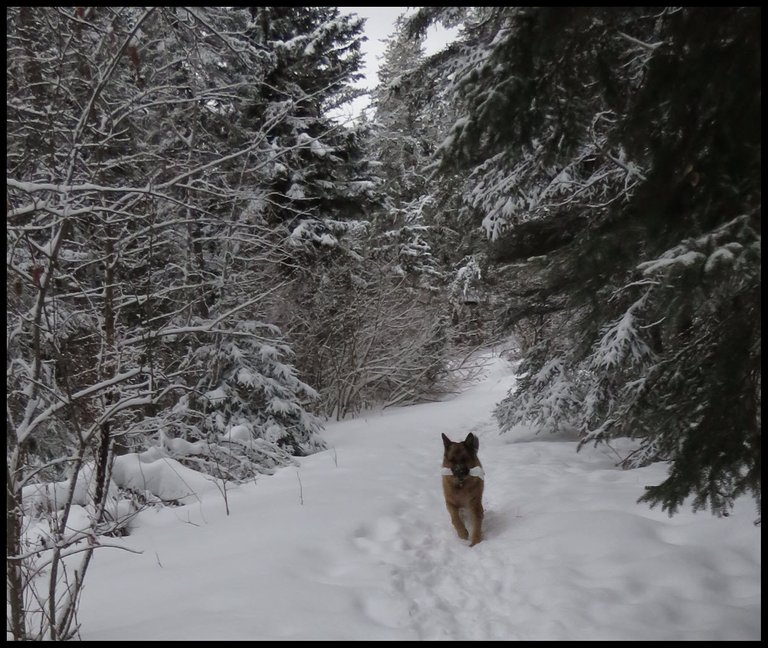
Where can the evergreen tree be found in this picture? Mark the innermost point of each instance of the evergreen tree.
(420, 228)
(165, 182)
(402, 145)
(315, 57)
(140, 254)
(613, 156)
(320, 195)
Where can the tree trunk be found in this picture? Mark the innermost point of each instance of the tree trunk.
(13, 530)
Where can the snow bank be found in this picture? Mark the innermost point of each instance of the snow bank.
(356, 544)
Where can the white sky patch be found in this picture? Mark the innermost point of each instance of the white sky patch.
(355, 543)
(381, 25)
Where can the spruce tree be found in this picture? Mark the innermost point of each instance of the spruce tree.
(136, 238)
(613, 156)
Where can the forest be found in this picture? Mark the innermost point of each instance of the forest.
(205, 263)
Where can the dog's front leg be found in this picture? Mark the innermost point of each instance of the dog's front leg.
(456, 520)
(476, 513)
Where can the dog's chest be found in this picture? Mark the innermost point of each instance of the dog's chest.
(461, 492)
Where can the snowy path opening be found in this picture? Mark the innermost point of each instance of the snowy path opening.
(357, 544)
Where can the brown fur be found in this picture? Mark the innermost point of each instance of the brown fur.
(462, 490)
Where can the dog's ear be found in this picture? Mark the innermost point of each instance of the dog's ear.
(472, 442)
(446, 441)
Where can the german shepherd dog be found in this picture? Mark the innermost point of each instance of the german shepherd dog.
(463, 484)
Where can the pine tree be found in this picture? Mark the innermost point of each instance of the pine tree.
(612, 156)
(319, 196)
(315, 59)
(402, 145)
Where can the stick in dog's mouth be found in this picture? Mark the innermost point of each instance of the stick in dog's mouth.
(477, 471)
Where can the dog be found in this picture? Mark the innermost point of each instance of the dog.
(463, 481)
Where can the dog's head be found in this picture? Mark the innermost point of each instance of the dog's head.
(461, 456)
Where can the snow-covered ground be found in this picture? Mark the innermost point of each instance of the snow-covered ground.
(357, 544)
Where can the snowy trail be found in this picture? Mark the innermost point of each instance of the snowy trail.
(357, 544)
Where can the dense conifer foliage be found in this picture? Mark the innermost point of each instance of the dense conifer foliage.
(621, 149)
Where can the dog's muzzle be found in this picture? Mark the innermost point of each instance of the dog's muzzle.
(460, 472)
